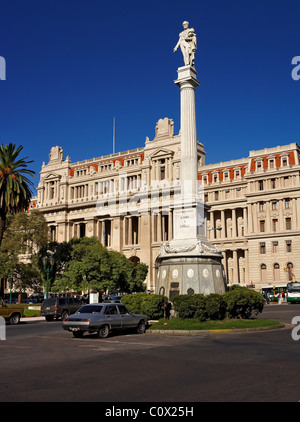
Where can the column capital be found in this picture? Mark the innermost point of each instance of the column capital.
(187, 77)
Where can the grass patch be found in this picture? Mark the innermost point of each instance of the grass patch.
(32, 312)
(194, 324)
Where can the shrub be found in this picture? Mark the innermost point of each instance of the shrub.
(215, 306)
(151, 305)
(185, 306)
(242, 302)
(239, 302)
(134, 302)
(201, 311)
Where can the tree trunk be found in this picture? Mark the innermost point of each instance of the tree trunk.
(2, 228)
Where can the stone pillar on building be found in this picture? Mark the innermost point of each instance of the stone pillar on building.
(223, 231)
(234, 223)
(235, 266)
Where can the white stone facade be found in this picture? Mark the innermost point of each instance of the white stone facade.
(254, 215)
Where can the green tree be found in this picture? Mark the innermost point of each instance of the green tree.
(140, 274)
(122, 272)
(15, 187)
(83, 264)
(61, 253)
(89, 266)
(27, 276)
(26, 232)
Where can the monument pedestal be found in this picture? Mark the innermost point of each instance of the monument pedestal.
(189, 263)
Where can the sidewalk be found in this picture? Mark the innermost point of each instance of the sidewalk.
(29, 319)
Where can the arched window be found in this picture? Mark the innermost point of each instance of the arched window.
(162, 291)
(263, 273)
(276, 272)
(135, 260)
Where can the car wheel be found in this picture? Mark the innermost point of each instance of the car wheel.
(103, 331)
(141, 328)
(78, 334)
(49, 318)
(14, 319)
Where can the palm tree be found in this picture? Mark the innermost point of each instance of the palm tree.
(15, 187)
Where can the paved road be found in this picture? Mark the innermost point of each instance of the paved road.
(41, 362)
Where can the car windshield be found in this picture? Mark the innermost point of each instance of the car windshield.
(90, 309)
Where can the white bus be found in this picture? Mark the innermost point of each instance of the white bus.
(273, 291)
(293, 292)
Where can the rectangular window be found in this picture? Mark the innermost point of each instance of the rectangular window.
(107, 233)
(289, 246)
(261, 206)
(135, 230)
(262, 248)
(274, 247)
(275, 224)
(287, 203)
(273, 183)
(260, 185)
(262, 226)
(288, 223)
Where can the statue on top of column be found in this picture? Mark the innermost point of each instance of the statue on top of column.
(188, 44)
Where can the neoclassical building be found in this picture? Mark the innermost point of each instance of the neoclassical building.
(126, 200)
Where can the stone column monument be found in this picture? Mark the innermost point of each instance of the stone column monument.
(189, 263)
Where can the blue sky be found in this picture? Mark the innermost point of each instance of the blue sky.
(73, 65)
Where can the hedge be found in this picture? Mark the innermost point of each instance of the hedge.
(242, 302)
(239, 302)
(152, 305)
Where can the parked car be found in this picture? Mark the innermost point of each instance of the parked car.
(35, 298)
(59, 307)
(113, 299)
(11, 313)
(102, 318)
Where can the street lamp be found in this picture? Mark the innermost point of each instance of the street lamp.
(48, 264)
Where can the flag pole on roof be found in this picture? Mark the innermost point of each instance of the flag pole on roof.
(114, 134)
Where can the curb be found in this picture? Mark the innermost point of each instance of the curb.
(221, 331)
(32, 318)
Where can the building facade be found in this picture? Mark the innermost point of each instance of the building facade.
(254, 215)
(126, 200)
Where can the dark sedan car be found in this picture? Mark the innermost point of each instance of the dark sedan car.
(102, 318)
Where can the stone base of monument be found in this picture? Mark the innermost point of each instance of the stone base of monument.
(191, 269)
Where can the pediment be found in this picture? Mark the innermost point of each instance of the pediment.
(162, 153)
(52, 176)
